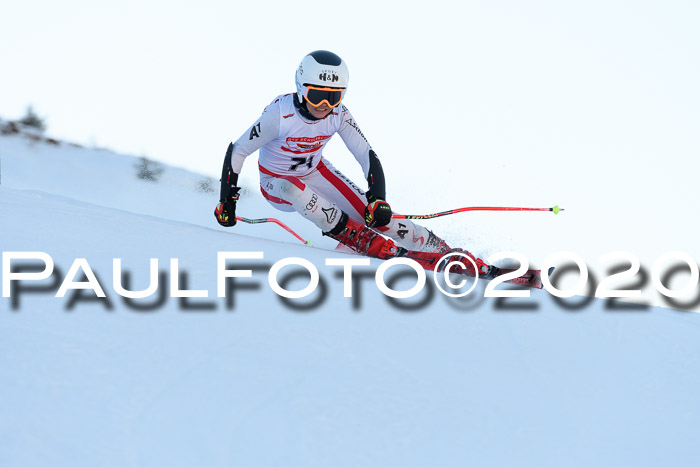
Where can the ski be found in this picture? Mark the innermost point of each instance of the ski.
(531, 278)
(363, 240)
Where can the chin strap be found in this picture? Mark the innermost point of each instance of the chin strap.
(304, 111)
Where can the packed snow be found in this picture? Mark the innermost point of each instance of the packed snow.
(251, 379)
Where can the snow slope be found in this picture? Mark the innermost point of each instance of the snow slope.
(255, 382)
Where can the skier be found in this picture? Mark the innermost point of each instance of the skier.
(295, 176)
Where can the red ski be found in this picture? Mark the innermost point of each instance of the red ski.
(531, 278)
(366, 241)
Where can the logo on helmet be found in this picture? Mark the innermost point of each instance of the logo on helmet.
(328, 76)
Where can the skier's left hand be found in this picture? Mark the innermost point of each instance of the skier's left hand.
(377, 212)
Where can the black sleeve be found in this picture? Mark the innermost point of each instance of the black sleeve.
(229, 178)
(375, 177)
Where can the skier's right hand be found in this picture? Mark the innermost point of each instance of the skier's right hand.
(225, 211)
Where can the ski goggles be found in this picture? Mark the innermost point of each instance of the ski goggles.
(316, 95)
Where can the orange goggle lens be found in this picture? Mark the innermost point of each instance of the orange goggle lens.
(316, 95)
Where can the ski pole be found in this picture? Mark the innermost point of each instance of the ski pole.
(275, 221)
(554, 209)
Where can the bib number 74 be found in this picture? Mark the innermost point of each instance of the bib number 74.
(309, 162)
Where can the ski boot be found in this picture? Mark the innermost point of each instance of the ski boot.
(485, 270)
(363, 240)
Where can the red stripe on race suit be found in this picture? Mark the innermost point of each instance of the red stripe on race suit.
(274, 199)
(294, 180)
(307, 151)
(345, 190)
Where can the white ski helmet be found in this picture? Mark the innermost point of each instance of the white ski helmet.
(321, 68)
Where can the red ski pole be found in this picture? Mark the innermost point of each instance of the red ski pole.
(274, 221)
(555, 210)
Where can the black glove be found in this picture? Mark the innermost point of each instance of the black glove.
(377, 212)
(225, 211)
